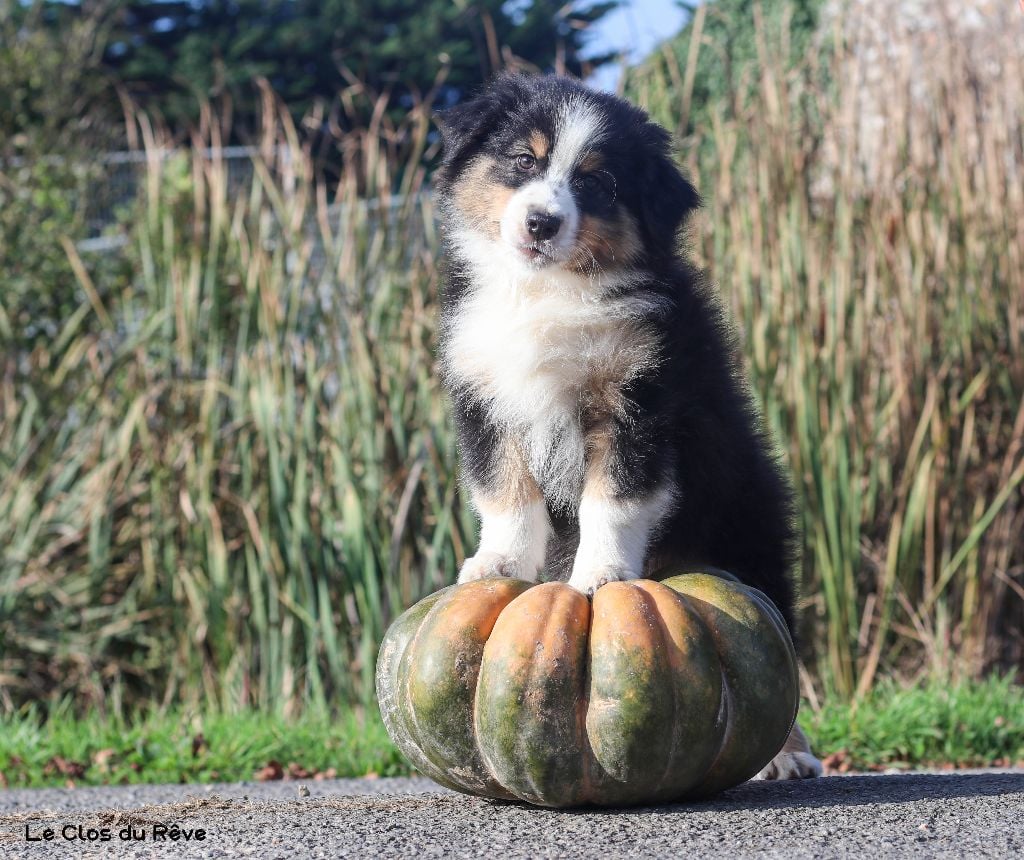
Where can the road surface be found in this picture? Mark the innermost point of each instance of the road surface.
(979, 814)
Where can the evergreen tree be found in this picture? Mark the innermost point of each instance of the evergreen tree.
(169, 53)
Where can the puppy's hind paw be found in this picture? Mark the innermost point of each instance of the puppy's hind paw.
(791, 765)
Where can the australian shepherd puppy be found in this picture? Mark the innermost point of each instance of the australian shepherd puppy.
(604, 428)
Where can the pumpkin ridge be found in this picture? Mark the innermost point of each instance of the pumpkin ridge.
(413, 715)
(475, 710)
(483, 614)
(530, 670)
(722, 718)
(408, 716)
(493, 620)
(665, 642)
(780, 624)
(586, 749)
(678, 658)
(728, 699)
(736, 615)
(533, 669)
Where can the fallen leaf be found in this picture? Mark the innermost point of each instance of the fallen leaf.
(61, 765)
(271, 771)
(297, 771)
(837, 762)
(102, 758)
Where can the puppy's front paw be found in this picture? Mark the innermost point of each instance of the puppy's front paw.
(484, 565)
(589, 580)
(792, 765)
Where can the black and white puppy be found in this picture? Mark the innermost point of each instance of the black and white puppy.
(604, 428)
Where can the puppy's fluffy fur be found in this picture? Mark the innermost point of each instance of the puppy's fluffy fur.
(604, 428)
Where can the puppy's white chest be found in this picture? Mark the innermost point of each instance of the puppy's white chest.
(534, 357)
(527, 356)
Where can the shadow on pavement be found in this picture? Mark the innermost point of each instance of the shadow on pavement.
(844, 791)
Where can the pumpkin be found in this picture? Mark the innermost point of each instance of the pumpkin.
(653, 692)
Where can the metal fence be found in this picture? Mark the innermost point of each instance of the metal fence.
(123, 174)
(111, 199)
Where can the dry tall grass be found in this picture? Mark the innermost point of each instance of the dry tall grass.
(865, 224)
(232, 467)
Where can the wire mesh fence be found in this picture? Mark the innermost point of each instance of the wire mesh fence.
(109, 202)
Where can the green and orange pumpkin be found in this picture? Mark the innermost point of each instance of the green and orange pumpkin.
(655, 691)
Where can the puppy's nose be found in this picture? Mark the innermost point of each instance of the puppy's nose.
(542, 226)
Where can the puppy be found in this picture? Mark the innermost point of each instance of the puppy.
(604, 429)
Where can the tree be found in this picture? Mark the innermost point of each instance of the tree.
(170, 55)
(54, 117)
(51, 80)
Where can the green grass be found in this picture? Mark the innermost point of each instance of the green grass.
(178, 747)
(971, 723)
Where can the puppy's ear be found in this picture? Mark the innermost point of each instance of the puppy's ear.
(464, 126)
(668, 196)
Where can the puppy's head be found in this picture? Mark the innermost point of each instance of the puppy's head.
(548, 173)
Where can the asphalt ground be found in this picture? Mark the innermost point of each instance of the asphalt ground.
(961, 814)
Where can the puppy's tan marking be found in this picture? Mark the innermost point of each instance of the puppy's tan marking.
(514, 524)
(480, 199)
(511, 484)
(539, 145)
(600, 442)
(590, 162)
(607, 243)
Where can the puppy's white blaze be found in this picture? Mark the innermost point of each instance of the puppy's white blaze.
(580, 126)
(519, 534)
(552, 198)
(614, 534)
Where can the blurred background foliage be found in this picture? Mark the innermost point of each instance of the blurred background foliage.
(54, 118)
(727, 66)
(225, 462)
(170, 56)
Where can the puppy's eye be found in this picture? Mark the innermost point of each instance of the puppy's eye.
(525, 162)
(589, 182)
